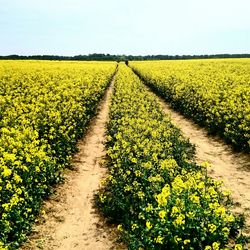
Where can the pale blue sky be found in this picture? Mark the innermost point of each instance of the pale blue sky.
(73, 27)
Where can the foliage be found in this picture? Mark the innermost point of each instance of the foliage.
(160, 197)
(44, 109)
(215, 93)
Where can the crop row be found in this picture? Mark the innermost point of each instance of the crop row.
(156, 193)
(44, 109)
(215, 93)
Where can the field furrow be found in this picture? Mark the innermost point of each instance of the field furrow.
(233, 168)
(71, 220)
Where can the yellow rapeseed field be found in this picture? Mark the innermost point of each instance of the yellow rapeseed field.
(215, 93)
(155, 191)
(44, 109)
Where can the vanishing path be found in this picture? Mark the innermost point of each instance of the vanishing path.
(71, 221)
(231, 167)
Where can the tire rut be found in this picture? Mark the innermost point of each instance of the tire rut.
(72, 222)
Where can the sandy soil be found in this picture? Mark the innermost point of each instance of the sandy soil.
(71, 221)
(227, 165)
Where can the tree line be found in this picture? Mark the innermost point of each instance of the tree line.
(108, 57)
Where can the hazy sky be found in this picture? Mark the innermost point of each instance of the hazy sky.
(73, 27)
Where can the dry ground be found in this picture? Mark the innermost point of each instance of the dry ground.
(226, 164)
(71, 221)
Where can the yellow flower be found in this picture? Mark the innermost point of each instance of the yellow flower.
(166, 190)
(149, 208)
(102, 198)
(216, 246)
(178, 185)
(137, 173)
(134, 160)
(148, 225)
(155, 157)
(191, 215)
(8, 186)
(6, 206)
(177, 239)
(19, 191)
(220, 211)
(186, 242)
(38, 169)
(169, 164)
(2, 246)
(128, 172)
(127, 188)
(238, 247)
(213, 205)
(141, 195)
(134, 226)
(174, 210)
(17, 178)
(208, 248)
(205, 164)
(212, 228)
(43, 212)
(141, 216)
(194, 198)
(226, 192)
(159, 239)
(230, 218)
(212, 192)
(9, 157)
(119, 227)
(201, 185)
(161, 199)
(162, 214)
(180, 220)
(6, 172)
(225, 230)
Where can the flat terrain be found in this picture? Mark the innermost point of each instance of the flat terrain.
(71, 221)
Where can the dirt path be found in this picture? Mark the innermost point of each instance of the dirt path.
(71, 221)
(226, 164)
(231, 167)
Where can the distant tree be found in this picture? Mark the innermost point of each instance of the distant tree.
(118, 58)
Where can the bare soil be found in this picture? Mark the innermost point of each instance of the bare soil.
(226, 164)
(71, 221)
